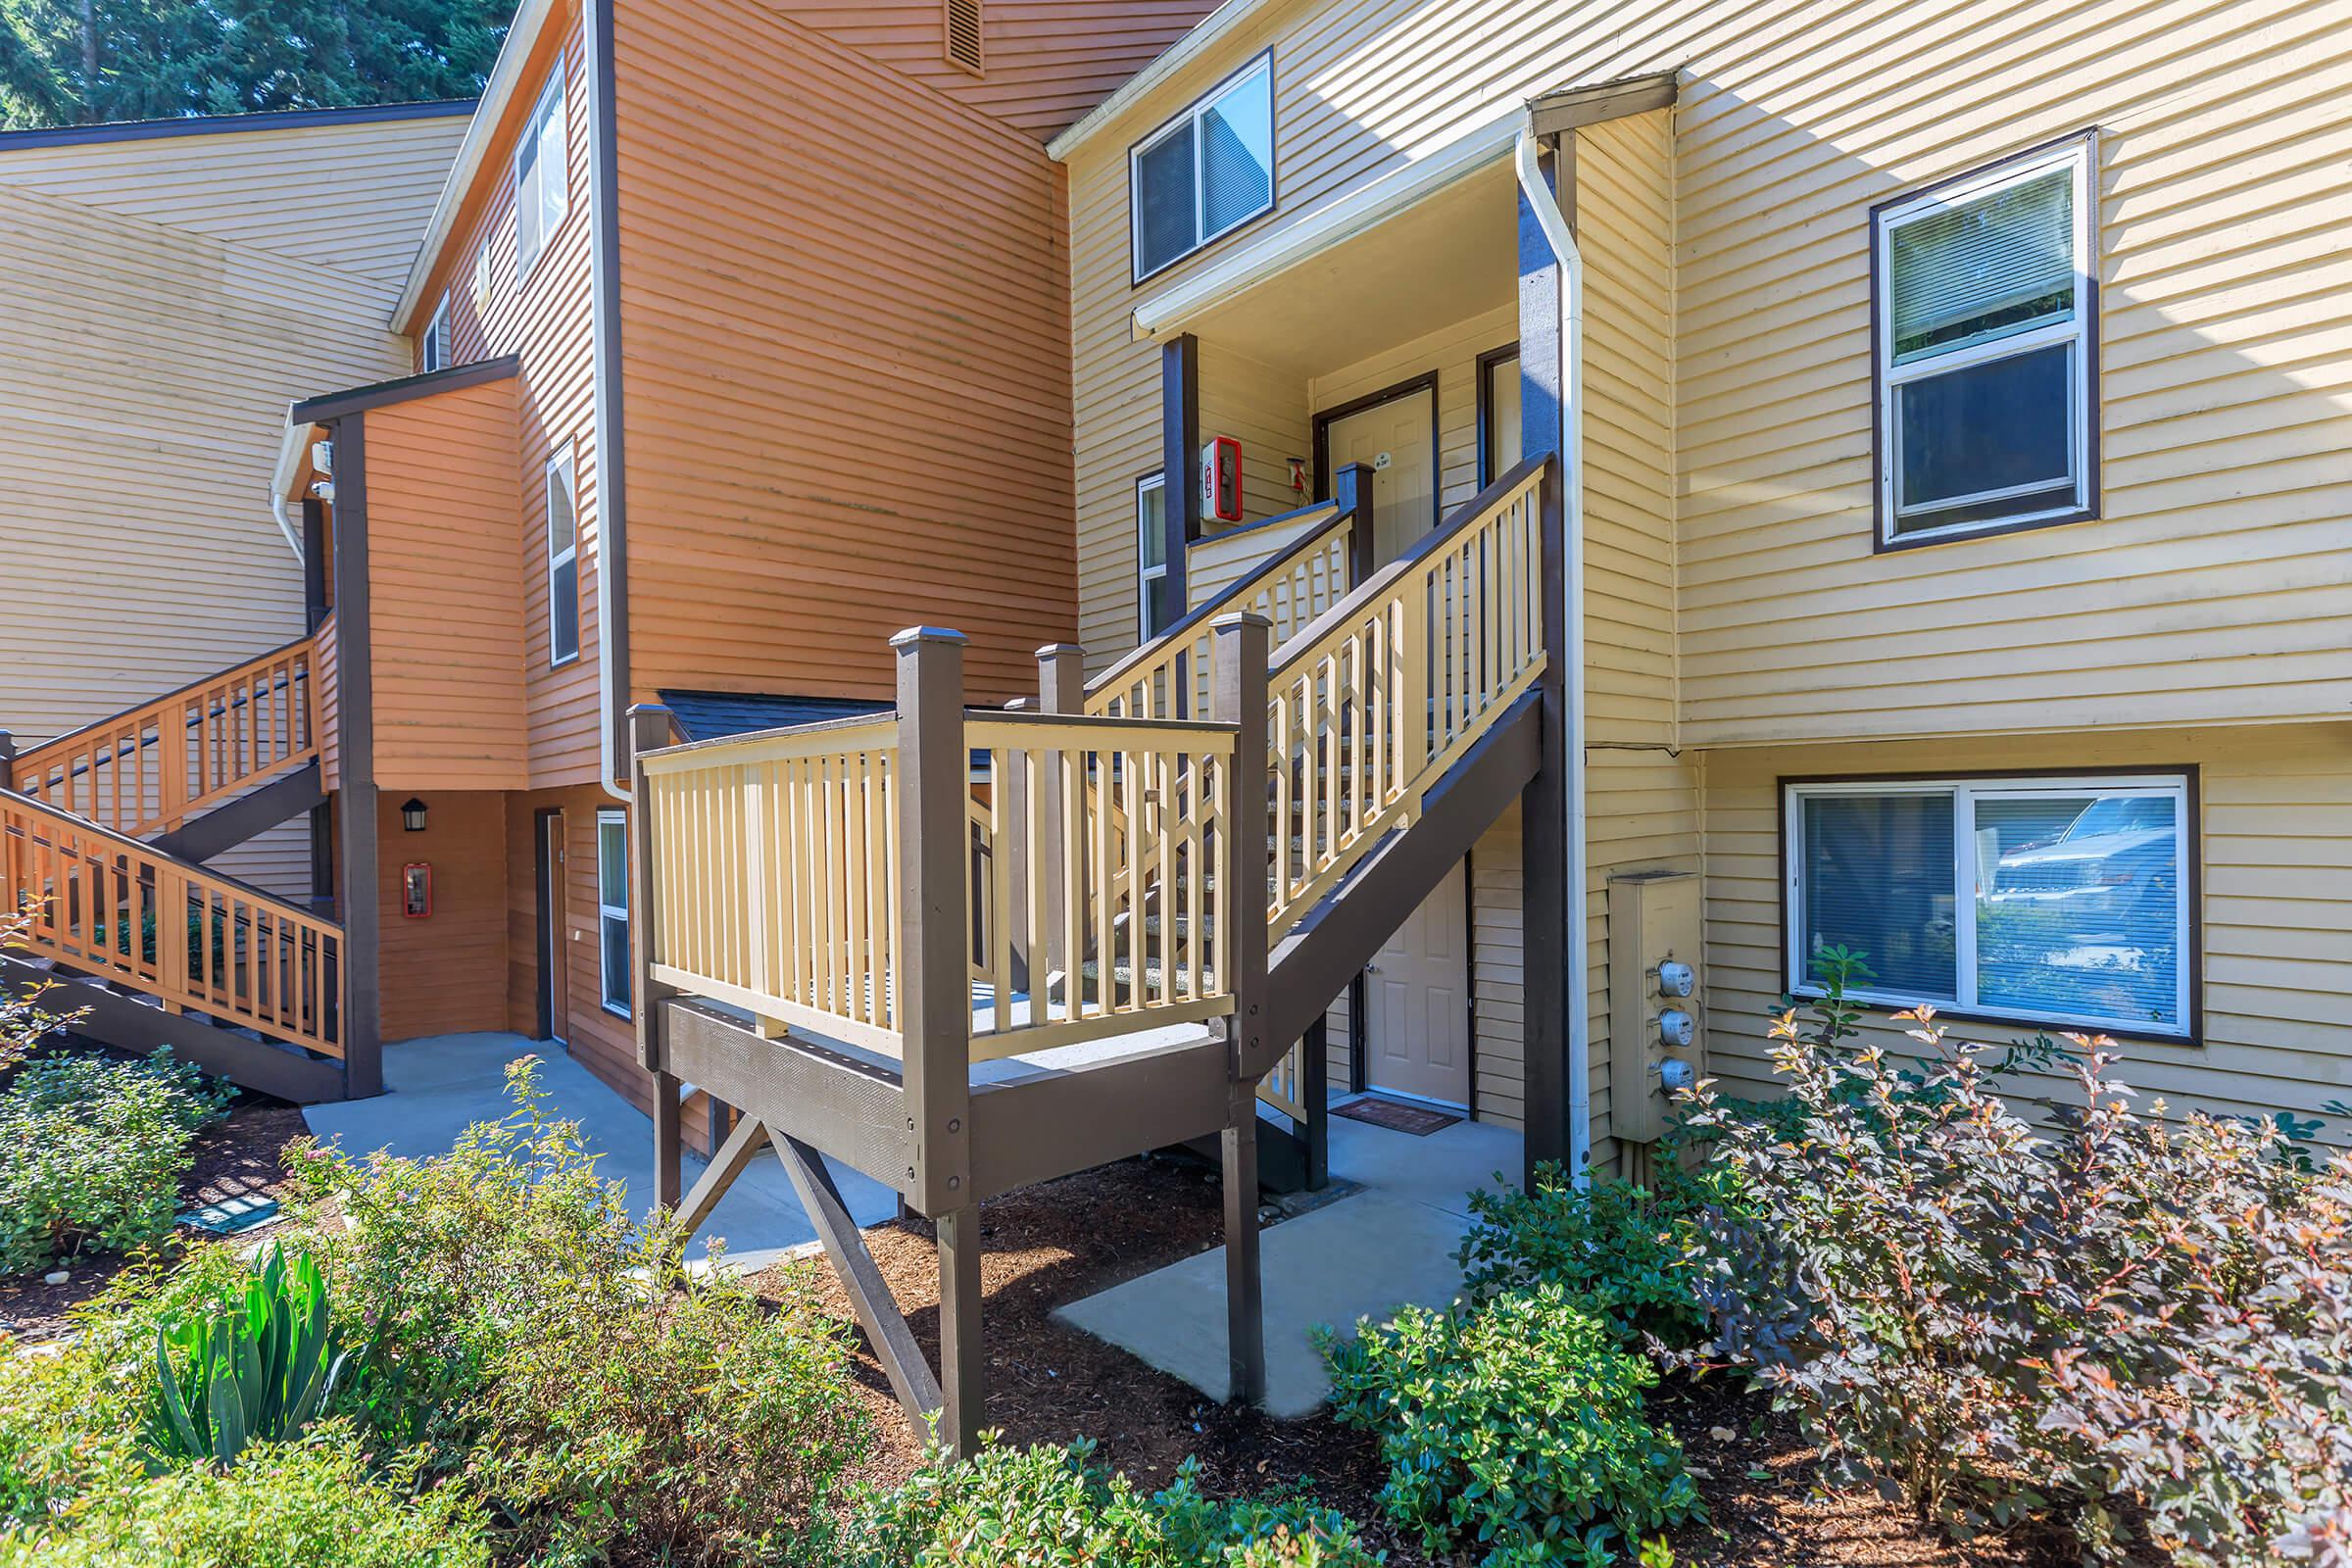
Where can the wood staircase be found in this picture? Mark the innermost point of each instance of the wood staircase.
(102, 835)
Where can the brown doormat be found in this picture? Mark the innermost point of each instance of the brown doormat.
(1419, 1120)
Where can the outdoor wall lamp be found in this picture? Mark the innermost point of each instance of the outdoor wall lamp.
(412, 815)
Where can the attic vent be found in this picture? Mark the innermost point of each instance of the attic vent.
(964, 36)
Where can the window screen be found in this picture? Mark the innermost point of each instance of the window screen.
(542, 178)
(562, 561)
(2047, 900)
(1150, 552)
(1984, 349)
(612, 906)
(1207, 173)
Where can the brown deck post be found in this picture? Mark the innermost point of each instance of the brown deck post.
(1550, 1021)
(1245, 643)
(651, 728)
(1061, 689)
(7, 761)
(935, 999)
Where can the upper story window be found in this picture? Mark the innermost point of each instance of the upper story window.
(542, 178)
(1151, 552)
(1986, 351)
(432, 351)
(484, 281)
(2064, 901)
(562, 560)
(1206, 174)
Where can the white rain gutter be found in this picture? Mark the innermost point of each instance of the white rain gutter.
(290, 447)
(1546, 207)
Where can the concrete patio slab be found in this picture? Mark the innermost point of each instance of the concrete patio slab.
(1365, 1256)
(435, 1088)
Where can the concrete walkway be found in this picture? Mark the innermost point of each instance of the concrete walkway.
(1362, 1256)
(434, 1089)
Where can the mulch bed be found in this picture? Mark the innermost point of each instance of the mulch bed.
(1055, 1244)
(239, 1157)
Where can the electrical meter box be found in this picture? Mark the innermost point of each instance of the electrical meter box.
(1657, 1028)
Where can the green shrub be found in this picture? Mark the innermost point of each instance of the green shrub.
(92, 1153)
(308, 1505)
(24, 1022)
(1051, 1506)
(1513, 1430)
(2119, 1321)
(520, 1332)
(1629, 1254)
(255, 1365)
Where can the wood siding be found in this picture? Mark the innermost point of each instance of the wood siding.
(443, 585)
(165, 300)
(2216, 586)
(845, 367)
(2277, 869)
(444, 973)
(352, 197)
(1047, 62)
(546, 320)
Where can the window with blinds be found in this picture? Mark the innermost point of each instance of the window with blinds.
(2061, 902)
(1207, 172)
(1984, 349)
(961, 24)
(432, 353)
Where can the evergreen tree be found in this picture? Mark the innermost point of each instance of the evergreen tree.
(71, 62)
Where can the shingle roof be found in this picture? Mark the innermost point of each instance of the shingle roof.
(707, 715)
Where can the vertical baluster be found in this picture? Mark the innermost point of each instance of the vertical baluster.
(1101, 886)
(1002, 842)
(1073, 878)
(898, 949)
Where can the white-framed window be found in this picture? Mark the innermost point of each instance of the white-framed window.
(1150, 552)
(562, 559)
(542, 178)
(1204, 173)
(2052, 900)
(612, 908)
(484, 278)
(432, 351)
(1985, 349)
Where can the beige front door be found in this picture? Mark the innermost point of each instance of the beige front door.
(1417, 991)
(1417, 995)
(1397, 440)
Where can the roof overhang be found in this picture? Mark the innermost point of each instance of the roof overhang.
(1330, 226)
(1552, 113)
(1205, 35)
(360, 398)
(506, 73)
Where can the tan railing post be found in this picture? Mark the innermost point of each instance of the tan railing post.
(935, 999)
(1244, 643)
(1061, 689)
(651, 728)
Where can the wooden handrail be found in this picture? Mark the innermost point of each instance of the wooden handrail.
(1171, 676)
(150, 768)
(106, 905)
(1370, 704)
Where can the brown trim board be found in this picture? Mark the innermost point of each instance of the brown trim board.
(355, 801)
(610, 423)
(331, 405)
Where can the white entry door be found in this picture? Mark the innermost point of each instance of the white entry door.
(1397, 440)
(1417, 993)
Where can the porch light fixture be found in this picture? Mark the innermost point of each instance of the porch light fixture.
(412, 815)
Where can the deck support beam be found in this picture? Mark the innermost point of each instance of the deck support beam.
(962, 1362)
(1244, 646)
(877, 1309)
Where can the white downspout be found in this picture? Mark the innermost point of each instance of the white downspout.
(1545, 205)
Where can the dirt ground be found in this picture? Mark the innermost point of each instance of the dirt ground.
(1068, 1239)
(239, 1157)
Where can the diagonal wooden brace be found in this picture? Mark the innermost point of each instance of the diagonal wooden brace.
(877, 1310)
